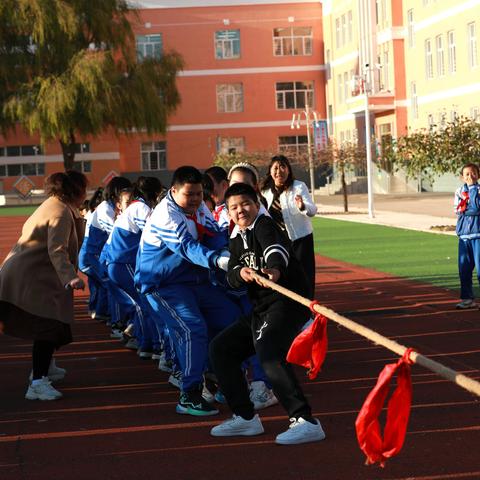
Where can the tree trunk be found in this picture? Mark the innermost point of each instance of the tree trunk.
(344, 190)
(68, 151)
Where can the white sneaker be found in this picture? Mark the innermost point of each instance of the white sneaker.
(301, 431)
(42, 390)
(175, 379)
(55, 374)
(466, 303)
(132, 344)
(116, 333)
(238, 426)
(261, 396)
(165, 365)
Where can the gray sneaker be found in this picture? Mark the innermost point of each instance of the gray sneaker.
(238, 426)
(466, 304)
(42, 390)
(301, 431)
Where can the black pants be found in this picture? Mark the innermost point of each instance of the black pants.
(269, 335)
(42, 353)
(305, 254)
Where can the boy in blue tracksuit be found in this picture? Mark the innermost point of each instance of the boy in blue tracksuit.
(173, 267)
(467, 205)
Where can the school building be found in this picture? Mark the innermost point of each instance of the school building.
(250, 65)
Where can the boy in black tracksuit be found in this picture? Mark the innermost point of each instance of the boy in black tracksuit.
(257, 245)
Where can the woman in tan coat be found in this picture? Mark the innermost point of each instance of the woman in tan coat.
(38, 277)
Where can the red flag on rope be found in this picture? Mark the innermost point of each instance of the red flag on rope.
(310, 346)
(376, 448)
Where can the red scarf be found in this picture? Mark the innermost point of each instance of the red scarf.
(216, 213)
(463, 204)
(201, 229)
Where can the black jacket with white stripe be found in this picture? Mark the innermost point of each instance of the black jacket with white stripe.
(264, 245)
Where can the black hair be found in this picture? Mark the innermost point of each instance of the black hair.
(241, 189)
(219, 174)
(246, 168)
(115, 187)
(268, 182)
(96, 199)
(472, 165)
(207, 184)
(147, 188)
(67, 186)
(186, 174)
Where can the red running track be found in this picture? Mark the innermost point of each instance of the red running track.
(117, 419)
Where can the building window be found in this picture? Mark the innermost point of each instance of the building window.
(20, 150)
(344, 29)
(440, 56)
(292, 41)
(84, 166)
(414, 99)
(452, 52)
(385, 72)
(350, 26)
(475, 113)
(337, 33)
(340, 88)
(431, 121)
(292, 95)
(230, 98)
(28, 169)
(428, 59)
(293, 145)
(472, 45)
(149, 46)
(227, 44)
(82, 148)
(346, 84)
(411, 29)
(230, 145)
(154, 156)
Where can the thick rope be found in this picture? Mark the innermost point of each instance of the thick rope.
(462, 380)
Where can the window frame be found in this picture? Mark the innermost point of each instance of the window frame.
(154, 148)
(308, 93)
(305, 40)
(229, 97)
(142, 56)
(223, 42)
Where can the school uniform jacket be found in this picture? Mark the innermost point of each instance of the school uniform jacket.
(264, 245)
(468, 221)
(176, 247)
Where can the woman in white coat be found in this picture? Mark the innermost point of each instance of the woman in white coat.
(291, 206)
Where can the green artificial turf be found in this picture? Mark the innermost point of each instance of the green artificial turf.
(14, 211)
(426, 257)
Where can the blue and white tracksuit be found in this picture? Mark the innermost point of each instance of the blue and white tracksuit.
(120, 255)
(468, 231)
(99, 226)
(173, 266)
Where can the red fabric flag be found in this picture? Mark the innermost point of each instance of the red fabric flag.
(310, 346)
(202, 230)
(367, 425)
(463, 204)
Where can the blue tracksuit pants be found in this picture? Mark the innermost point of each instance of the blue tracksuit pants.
(468, 259)
(197, 314)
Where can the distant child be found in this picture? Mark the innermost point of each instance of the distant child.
(257, 245)
(467, 206)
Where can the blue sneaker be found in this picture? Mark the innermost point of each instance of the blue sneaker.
(220, 397)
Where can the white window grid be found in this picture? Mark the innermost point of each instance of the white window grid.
(411, 28)
(20, 150)
(292, 41)
(440, 55)
(293, 144)
(340, 88)
(230, 98)
(154, 155)
(346, 84)
(338, 36)
(385, 71)
(149, 46)
(428, 59)
(350, 26)
(472, 45)
(475, 113)
(230, 145)
(344, 29)
(452, 52)
(293, 95)
(414, 99)
(227, 44)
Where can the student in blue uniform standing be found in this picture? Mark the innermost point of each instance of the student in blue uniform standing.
(122, 253)
(100, 227)
(173, 272)
(467, 205)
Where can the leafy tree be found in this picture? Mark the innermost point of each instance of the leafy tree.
(441, 149)
(69, 68)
